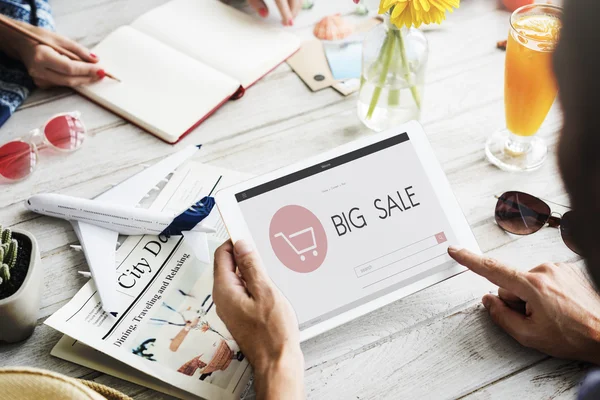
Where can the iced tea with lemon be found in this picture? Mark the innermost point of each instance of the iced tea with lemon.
(530, 87)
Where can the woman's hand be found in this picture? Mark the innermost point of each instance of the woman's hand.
(46, 66)
(261, 321)
(287, 8)
(552, 308)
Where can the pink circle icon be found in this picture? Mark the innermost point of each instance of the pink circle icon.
(298, 238)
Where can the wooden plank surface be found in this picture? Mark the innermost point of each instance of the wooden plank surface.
(438, 343)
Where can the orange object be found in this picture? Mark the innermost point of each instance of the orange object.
(530, 86)
(219, 361)
(333, 27)
(179, 338)
(512, 5)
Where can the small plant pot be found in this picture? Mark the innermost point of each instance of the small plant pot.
(19, 311)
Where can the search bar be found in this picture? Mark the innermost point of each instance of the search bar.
(403, 259)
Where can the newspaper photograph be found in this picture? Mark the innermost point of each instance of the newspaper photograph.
(167, 326)
(72, 350)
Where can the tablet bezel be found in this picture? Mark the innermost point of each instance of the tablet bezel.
(236, 225)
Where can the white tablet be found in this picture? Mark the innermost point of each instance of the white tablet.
(353, 229)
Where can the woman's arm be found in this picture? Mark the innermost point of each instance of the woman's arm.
(46, 66)
(8, 42)
(261, 321)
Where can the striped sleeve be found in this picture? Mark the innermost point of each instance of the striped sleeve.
(15, 83)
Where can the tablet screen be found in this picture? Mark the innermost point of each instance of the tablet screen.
(346, 231)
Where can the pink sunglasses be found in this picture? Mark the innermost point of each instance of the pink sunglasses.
(63, 132)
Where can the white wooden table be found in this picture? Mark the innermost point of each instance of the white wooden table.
(439, 343)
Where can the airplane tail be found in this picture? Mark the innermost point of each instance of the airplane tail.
(187, 220)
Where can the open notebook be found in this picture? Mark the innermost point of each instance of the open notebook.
(181, 61)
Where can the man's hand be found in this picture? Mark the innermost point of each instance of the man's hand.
(552, 308)
(46, 66)
(287, 8)
(261, 321)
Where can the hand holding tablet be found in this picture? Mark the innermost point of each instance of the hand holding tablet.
(351, 230)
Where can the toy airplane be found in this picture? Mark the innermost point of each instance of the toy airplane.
(99, 222)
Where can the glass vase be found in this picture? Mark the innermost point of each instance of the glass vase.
(393, 76)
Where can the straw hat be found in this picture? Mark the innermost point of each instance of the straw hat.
(35, 384)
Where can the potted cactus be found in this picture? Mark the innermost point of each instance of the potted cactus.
(20, 279)
(8, 255)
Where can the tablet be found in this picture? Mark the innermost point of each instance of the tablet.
(354, 229)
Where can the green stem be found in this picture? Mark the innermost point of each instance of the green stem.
(388, 51)
(363, 78)
(394, 97)
(413, 88)
(394, 94)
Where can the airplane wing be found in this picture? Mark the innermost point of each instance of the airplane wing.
(99, 246)
(132, 190)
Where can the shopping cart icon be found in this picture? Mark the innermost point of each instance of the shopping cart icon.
(300, 252)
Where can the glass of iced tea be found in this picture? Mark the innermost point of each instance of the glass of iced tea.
(529, 88)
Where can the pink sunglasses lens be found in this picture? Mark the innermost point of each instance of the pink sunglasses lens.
(17, 160)
(65, 132)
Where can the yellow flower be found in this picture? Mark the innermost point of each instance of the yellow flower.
(416, 12)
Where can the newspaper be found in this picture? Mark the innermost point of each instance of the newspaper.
(167, 326)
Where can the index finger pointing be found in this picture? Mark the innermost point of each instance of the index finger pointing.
(493, 270)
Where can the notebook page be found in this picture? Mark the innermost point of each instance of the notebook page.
(162, 90)
(229, 40)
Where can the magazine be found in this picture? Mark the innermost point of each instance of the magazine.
(169, 330)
